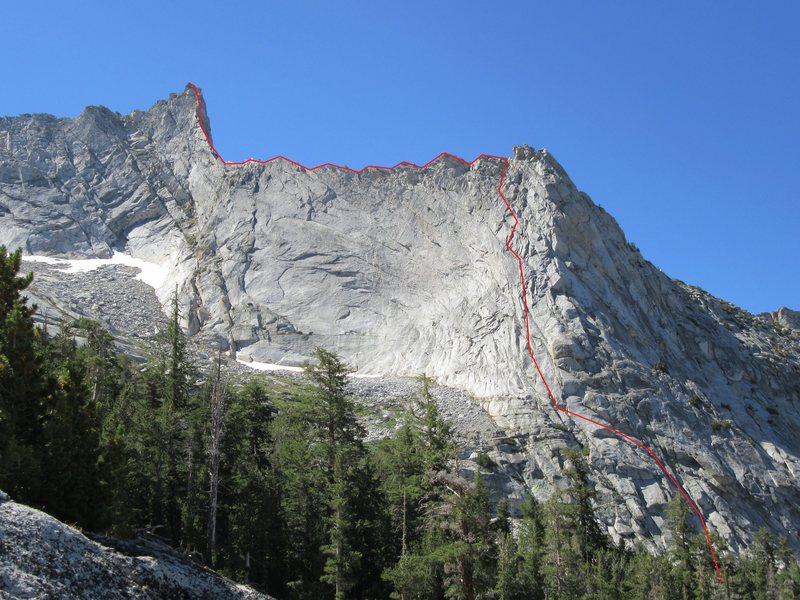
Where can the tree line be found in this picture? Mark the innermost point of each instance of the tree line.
(275, 486)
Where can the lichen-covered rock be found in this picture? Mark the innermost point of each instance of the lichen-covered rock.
(407, 271)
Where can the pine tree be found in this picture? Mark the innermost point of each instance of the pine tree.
(451, 548)
(514, 582)
(466, 550)
(179, 371)
(164, 441)
(740, 581)
(609, 571)
(706, 584)
(580, 495)
(344, 557)
(788, 576)
(26, 395)
(510, 584)
(680, 526)
(101, 363)
(562, 567)
(409, 464)
(638, 583)
(333, 415)
(179, 409)
(401, 466)
(418, 574)
(216, 426)
(50, 422)
(406, 461)
(254, 551)
(339, 435)
(301, 469)
(436, 434)
(531, 549)
(331, 500)
(95, 372)
(72, 450)
(573, 538)
(763, 576)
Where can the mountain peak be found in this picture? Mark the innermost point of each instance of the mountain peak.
(408, 271)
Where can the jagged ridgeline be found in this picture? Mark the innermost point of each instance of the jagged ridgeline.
(406, 271)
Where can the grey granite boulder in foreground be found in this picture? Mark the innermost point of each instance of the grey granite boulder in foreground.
(41, 557)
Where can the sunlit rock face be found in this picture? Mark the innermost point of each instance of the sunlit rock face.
(45, 558)
(406, 271)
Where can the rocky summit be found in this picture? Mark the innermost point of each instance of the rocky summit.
(406, 271)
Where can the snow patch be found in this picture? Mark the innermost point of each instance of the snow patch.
(261, 366)
(149, 273)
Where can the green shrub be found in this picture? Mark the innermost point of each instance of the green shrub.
(720, 425)
(484, 461)
(660, 367)
(695, 401)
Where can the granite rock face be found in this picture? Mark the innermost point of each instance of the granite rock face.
(407, 271)
(787, 317)
(41, 557)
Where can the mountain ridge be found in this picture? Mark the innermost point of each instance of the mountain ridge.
(253, 249)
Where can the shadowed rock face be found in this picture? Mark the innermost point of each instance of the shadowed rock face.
(406, 271)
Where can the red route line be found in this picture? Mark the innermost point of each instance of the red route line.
(617, 432)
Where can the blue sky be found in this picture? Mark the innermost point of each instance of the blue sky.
(680, 118)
